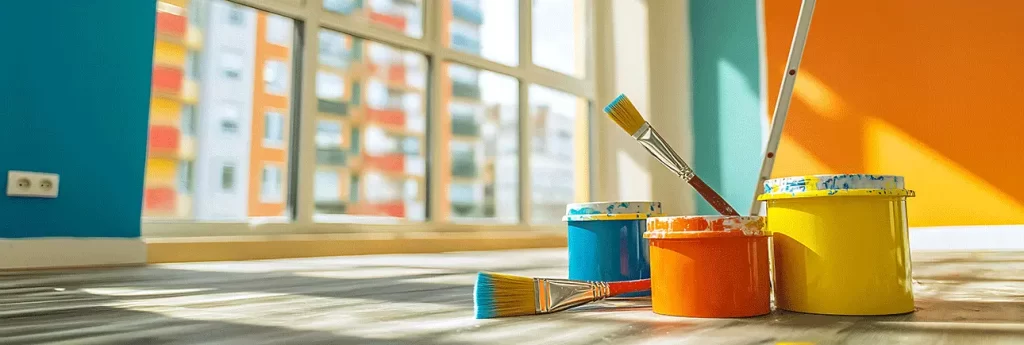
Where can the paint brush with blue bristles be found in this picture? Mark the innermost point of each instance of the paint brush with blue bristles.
(501, 295)
(622, 111)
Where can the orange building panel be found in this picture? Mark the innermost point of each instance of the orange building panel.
(262, 103)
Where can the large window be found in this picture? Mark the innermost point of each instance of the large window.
(220, 112)
(383, 164)
(425, 122)
(482, 108)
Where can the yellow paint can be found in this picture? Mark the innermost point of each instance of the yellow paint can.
(840, 244)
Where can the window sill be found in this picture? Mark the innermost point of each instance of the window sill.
(273, 226)
(261, 247)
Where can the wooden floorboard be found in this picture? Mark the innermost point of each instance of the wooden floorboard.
(962, 298)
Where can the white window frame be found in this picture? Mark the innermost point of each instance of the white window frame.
(310, 17)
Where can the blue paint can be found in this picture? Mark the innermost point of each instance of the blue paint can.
(606, 241)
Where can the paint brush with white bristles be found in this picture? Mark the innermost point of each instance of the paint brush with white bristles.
(501, 295)
(622, 111)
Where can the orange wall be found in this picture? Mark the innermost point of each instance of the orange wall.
(926, 89)
(262, 102)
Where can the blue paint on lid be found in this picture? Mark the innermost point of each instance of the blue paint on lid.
(612, 210)
(833, 183)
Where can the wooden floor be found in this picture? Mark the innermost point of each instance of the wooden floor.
(963, 298)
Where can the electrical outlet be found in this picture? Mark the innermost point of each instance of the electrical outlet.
(32, 184)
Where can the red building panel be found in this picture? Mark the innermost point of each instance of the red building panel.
(164, 138)
(390, 163)
(396, 22)
(394, 209)
(161, 199)
(396, 74)
(171, 24)
(387, 117)
(167, 79)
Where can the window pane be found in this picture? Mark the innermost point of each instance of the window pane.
(559, 35)
(558, 159)
(222, 86)
(273, 129)
(371, 131)
(271, 189)
(489, 28)
(227, 178)
(275, 77)
(404, 16)
(482, 111)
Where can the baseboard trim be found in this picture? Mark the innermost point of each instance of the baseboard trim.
(239, 248)
(47, 253)
(968, 238)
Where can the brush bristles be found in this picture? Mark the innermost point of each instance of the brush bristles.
(622, 111)
(500, 295)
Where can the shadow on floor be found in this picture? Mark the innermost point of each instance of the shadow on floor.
(107, 325)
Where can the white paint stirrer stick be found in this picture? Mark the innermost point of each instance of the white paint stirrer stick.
(796, 51)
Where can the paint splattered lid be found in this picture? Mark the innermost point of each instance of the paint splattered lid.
(828, 185)
(612, 210)
(704, 227)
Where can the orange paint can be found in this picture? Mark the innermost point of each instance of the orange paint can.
(709, 266)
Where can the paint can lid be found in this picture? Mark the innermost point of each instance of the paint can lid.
(612, 210)
(839, 184)
(681, 227)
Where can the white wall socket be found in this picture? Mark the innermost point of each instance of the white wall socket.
(32, 184)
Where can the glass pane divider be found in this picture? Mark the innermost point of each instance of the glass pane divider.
(362, 28)
(436, 145)
(300, 13)
(478, 62)
(306, 151)
(561, 82)
(432, 24)
(525, 132)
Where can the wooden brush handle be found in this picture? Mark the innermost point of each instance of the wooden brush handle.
(712, 197)
(618, 288)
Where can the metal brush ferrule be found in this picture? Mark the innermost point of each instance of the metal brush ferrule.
(561, 294)
(656, 145)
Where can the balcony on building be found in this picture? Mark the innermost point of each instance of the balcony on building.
(332, 107)
(465, 125)
(345, 7)
(464, 165)
(168, 80)
(331, 157)
(466, 89)
(468, 11)
(164, 140)
(171, 26)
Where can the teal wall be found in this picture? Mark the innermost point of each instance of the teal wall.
(726, 99)
(74, 84)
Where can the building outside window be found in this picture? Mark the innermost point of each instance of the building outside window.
(386, 148)
(275, 77)
(231, 65)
